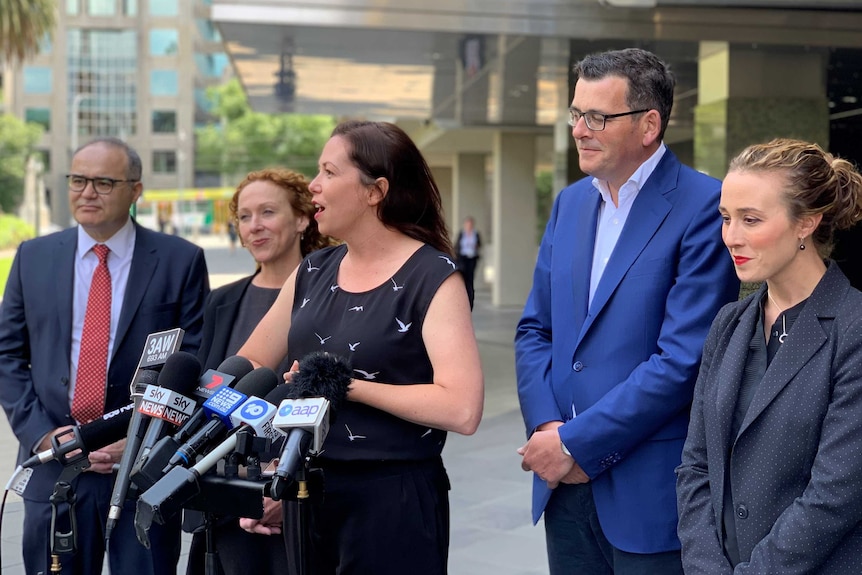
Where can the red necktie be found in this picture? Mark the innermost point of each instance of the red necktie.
(88, 402)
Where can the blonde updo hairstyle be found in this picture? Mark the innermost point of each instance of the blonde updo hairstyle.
(296, 187)
(816, 183)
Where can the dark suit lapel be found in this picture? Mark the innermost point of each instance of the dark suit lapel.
(64, 267)
(225, 316)
(806, 338)
(144, 262)
(730, 373)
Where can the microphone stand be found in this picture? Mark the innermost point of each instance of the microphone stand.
(66, 542)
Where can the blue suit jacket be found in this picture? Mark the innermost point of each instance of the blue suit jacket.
(167, 287)
(626, 365)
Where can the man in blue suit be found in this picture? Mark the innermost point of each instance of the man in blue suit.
(158, 282)
(630, 274)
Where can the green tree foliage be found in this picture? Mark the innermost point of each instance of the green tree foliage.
(17, 141)
(247, 140)
(23, 25)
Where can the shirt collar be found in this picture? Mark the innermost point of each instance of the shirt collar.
(637, 180)
(121, 243)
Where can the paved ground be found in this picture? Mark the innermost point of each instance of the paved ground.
(491, 529)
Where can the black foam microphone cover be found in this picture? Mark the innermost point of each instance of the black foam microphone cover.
(322, 374)
(236, 366)
(180, 373)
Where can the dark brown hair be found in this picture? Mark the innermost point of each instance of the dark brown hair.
(412, 204)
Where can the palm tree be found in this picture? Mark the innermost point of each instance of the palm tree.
(23, 25)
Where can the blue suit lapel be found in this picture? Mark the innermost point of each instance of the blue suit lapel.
(649, 210)
(144, 262)
(582, 260)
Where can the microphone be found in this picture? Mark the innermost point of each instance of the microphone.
(316, 393)
(96, 434)
(150, 471)
(158, 348)
(168, 494)
(166, 406)
(218, 409)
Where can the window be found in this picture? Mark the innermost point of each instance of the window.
(101, 7)
(163, 8)
(102, 90)
(37, 80)
(164, 121)
(165, 162)
(41, 116)
(130, 7)
(163, 42)
(72, 7)
(164, 83)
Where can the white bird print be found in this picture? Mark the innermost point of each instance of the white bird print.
(322, 339)
(352, 437)
(365, 374)
(404, 328)
(427, 432)
(448, 261)
(333, 287)
(357, 308)
(396, 287)
(352, 346)
(305, 300)
(311, 268)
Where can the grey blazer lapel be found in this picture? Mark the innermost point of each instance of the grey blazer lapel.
(730, 372)
(807, 336)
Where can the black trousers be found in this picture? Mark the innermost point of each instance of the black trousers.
(467, 266)
(380, 517)
(238, 552)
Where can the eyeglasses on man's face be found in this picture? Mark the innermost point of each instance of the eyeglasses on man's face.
(100, 185)
(596, 121)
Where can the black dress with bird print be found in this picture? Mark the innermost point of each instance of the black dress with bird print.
(380, 332)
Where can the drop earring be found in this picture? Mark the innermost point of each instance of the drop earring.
(802, 245)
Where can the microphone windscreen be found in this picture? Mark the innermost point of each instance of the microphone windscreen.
(236, 366)
(258, 383)
(104, 431)
(322, 374)
(180, 373)
(145, 377)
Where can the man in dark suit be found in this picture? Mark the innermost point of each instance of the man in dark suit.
(630, 273)
(157, 282)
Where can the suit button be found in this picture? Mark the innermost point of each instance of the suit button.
(578, 366)
(741, 511)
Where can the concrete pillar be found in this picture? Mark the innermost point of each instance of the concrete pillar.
(753, 94)
(514, 246)
(443, 177)
(515, 99)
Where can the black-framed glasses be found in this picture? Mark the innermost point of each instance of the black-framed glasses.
(596, 121)
(101, 185)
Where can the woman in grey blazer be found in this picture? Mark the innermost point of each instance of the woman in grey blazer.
(771, 473)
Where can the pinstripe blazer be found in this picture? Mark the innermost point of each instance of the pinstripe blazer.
(796, 463)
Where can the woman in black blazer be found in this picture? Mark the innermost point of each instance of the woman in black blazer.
(274, 216)
(771, 473)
